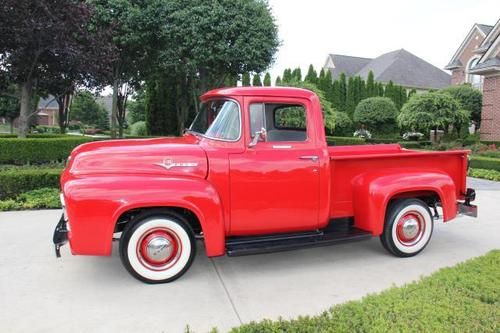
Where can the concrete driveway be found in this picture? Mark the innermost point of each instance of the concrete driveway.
(39, 293)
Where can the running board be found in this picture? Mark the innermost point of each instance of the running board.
(241, 246)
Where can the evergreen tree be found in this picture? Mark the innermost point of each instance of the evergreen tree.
(278, 81)
(411, 93)
(350, 103)
(245, 79)
(389, 91)
(380, 89)
(321, 81)
(256, 82)
(267, 80)
(297, 75)
(312, 75)
(342, 93)
(371, 89)
(287, 76)
(161, 115)
(328, 84)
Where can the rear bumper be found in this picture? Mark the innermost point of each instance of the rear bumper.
(60, 235)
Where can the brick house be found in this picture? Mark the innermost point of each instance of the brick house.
(400, 66)
(477, 61)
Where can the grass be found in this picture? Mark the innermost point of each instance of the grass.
(463, 298)
(43, 198)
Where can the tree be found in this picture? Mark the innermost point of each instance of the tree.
(38, 41)
(267, 80)
(287, 75)
(136, 110)
(343, 124)
(350, 104)
(256, 82)
(312, 75)
(342, 93)
(371, 90)
(470, 99)
(198, 52)
(245, 79)
(86, 110)
(378, 114)
(9, 105)
(161, 112)
(297, 75)
(434, 110)
(278, 81)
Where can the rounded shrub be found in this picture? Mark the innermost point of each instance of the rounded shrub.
(138, 129)
(343, 124)
(378, 114)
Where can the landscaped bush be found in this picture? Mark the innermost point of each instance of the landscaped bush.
(34, 136)
(43, 198)
(485, 174)
(463, 298)
(138, 129)
(48, 129)
(343, 124)
(378, 114)
(37, 151)
(481, 162)
(343, 141)
(18, 180)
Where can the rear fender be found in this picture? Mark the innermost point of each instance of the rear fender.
(373, 191)
(94, 205)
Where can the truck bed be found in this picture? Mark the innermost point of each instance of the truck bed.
(348, 163)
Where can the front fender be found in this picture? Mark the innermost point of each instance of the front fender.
(373, 191)
(95, 203)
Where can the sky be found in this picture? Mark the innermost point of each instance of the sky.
(431, 29)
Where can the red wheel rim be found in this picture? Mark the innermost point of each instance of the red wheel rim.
(159, 249)
(410, 228)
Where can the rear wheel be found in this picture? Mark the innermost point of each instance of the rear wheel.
(157, 247)
(408, 227)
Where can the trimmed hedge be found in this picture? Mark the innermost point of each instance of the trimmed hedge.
(36, 136)
(480, 162)
(18, 180)
(344, 141)
(463, 298)
(485, 174)
(37, 151)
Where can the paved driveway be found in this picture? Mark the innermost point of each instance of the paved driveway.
(87, 294)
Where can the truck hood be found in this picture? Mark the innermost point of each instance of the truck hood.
(160, 156)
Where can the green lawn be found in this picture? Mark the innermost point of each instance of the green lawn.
(463, 298)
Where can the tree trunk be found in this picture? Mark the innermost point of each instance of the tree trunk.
(114, 108)
(11, 123)
(26, 107)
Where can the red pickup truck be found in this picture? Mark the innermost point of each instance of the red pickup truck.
(252, 174)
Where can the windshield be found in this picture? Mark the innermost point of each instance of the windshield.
(218, 119)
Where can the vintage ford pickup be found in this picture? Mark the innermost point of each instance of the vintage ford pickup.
(252, 174)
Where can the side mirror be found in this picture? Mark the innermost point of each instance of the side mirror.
(258, 136)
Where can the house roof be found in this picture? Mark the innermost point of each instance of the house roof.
(490, 47)
(346, 64)
(48, 103)
(406, 69)
(485, 28)
(400, 66)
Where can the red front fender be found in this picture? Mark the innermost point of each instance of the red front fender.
(373, 191)
(94, 205)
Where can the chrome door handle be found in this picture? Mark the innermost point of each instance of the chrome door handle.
(313, 158)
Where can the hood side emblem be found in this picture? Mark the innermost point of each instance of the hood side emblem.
(169, 163)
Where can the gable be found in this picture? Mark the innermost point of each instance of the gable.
(472, 41)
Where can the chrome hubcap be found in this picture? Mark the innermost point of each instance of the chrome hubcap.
(410, 228)
(159, 249)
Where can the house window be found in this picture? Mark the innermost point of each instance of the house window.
(474, 80)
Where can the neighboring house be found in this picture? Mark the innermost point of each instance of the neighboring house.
(477, 61)
(400, 66)
(47, 111)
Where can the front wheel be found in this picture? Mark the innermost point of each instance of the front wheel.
(408, 227)
(157, 247)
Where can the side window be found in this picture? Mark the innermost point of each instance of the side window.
(257, 118)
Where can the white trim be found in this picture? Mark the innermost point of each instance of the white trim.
(465, 42)
(422, 242)
(490, 50)
(491, 33)
(467, 67)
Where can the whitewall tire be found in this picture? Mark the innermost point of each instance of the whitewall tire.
(408, 227)
(157, 247)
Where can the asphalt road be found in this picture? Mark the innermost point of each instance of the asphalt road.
(39, 293)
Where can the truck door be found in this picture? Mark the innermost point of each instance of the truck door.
(275, 182)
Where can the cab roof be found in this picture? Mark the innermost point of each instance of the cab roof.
(259, 91)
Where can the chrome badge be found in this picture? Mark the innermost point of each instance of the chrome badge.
(169, 163)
